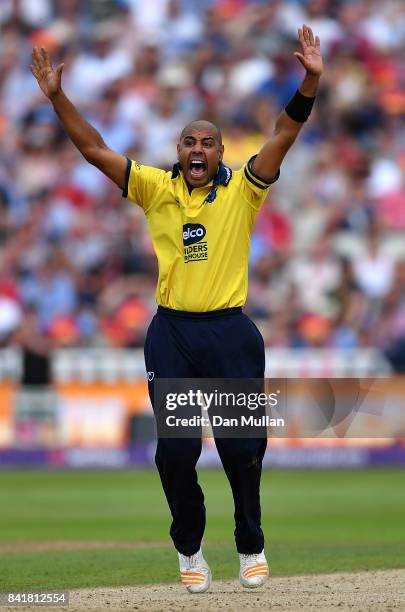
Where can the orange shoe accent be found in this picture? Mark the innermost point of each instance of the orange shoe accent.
(192, 578)
(255, 569)
(261, 573)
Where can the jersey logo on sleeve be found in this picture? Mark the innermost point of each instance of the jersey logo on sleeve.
(195, 248)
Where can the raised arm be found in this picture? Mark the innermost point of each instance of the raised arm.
(291, 120)
(82, 134)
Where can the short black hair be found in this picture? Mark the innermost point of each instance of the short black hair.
(202, 124)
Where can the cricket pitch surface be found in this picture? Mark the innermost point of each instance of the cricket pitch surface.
(373, 591)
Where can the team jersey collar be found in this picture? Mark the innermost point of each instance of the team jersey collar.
(222, 177)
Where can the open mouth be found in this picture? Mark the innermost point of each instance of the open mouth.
(197, 168)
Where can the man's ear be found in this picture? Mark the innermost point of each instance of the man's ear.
(178, 152)
(221, 152)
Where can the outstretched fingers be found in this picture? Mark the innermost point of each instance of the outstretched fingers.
(45, 58)
(305, 34)
(307, 39)
(40, 59)
(299, 56)
(311, 37)
(36, 59)
(59, 70)
(301, 39)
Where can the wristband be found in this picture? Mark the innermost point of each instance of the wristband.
(299, 107)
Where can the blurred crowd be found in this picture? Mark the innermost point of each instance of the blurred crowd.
(328, 252)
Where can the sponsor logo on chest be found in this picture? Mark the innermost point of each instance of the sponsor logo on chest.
(195, 247)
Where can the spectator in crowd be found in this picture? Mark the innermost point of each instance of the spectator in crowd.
(374, 271)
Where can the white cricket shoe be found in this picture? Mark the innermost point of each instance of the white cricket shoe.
(254, 570)
(195, 573)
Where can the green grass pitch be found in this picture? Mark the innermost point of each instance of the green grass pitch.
(314, 521)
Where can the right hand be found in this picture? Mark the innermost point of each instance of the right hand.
(48, 79)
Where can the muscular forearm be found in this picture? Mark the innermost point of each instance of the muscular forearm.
(285, 123)
(81, 133)
(309, 85)
(297, 111)
(286, 129)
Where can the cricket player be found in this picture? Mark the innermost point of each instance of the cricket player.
(201, 216)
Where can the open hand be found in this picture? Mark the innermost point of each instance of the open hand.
(48, 79)
(310, 57)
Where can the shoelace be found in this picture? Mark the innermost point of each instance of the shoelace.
(195, 560)
(192, 561)
(254, 558)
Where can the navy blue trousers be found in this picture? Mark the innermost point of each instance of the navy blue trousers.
(218, 344)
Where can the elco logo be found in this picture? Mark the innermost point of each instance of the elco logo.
(192, 233)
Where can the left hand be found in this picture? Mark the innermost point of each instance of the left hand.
(310, 57)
